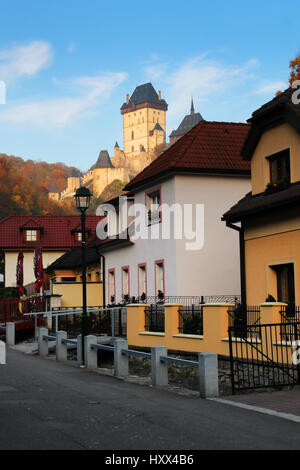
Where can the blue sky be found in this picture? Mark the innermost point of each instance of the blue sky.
(68, 65)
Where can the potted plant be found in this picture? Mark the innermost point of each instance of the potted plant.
(160, 295)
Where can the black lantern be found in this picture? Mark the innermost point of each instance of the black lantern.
(82, 197)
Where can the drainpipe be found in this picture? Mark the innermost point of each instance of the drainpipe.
(241, 231)
(103, 276)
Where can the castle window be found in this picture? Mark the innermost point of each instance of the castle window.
(132, 135)
(132, 148)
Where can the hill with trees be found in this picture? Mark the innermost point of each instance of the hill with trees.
(24, 186)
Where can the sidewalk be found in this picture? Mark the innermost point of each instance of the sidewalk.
(283, 402)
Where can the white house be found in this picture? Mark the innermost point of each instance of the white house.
(203, 174)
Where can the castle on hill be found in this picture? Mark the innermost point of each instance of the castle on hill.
(144, 138)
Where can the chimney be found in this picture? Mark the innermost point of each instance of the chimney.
(127, 99)
(159, 95)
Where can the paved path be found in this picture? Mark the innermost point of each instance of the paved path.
(50, 405)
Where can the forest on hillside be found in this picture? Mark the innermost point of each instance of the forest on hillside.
(24, 186)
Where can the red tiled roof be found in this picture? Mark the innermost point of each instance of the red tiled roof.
(209, 146)
(57, 231)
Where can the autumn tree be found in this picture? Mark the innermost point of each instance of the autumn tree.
(295, 69)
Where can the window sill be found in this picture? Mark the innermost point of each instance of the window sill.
(151, 333)
(188, 336)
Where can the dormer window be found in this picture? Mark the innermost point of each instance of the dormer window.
(280, 167)
(31, 235)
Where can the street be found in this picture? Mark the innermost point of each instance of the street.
(49, 405)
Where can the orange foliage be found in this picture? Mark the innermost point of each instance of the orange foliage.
(24, 187)
(295, 70)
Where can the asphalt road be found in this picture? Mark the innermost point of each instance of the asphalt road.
(50, 405)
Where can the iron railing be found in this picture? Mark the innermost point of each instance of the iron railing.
(239, 317)
(191, 320)
(264, 361)
(155, 318)
(290, 314)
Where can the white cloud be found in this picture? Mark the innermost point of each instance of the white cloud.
(88, 94)
(271, 88)
(71, 47)
(201, 78)
(24, 60)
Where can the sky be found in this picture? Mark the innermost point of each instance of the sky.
(67, 66)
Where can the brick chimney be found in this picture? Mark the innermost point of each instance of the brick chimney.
(159, 95)
(127, 99)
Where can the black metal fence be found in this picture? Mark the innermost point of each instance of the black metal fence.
(155, 318)
(240, 317)
(191, 320)
(267, 360)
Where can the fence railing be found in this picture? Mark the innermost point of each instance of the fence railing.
(14, 309)
(207, 363)
(240, 317)
(155, 318)
(191, 320)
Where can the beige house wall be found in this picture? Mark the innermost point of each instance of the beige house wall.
(273, 141)
(11, 265)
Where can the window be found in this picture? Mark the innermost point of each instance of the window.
(285, 283)
(78, 236)
(132, 135)
(132, 148)
(280, 167)
(98, 276)
(159, 278)
(142, 279)
(68, 279)
(125, 282)
(89, 277)
(111, 286)
(31, 235)
(153, 202)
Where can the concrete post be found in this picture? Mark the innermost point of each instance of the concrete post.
(90, 354)
(159, 369)
(61, 349)
(2, 353)
(120, 360)
(79, 348)
(10, 334)
(43, 345)
(208, 375)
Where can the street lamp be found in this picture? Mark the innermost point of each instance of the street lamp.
(82, 197)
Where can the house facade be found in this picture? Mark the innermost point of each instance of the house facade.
(268, 217)
(201, 174)
(57, 235)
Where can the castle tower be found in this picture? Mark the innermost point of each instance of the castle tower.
(188, 122)
(144, 120)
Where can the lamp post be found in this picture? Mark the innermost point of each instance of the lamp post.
(82, 197)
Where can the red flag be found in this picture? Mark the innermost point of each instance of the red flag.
(38, 266)
(19, 274)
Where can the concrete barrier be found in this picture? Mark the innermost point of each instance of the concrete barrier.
(10, 334)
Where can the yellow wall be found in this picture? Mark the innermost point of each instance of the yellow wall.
(72, 294)
(104, 176)
(263, 252)
(215, 330)
(273, 141)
